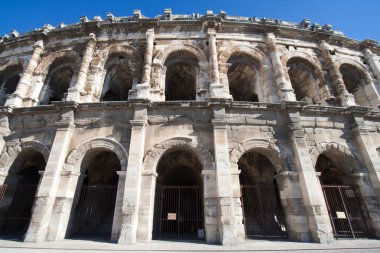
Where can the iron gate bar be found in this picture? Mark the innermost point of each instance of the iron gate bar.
(93, 216)
(183, 205)
(355, 222)
(16, 204)
(263, 215)
(345, 210)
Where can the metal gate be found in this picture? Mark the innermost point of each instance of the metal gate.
(93, 215)
(178, 213)
(263, 213)
(16, 202)
(348, 215)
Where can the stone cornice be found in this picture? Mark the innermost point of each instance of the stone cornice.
(139, 21)
(230, 106)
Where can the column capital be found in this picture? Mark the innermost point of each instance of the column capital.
(136, 123)
(121, 173)
(5, 110)
(208, 172)
(211, 32)
(219, 123)
(92, 37)
(270, 39)
(149, 32)
(149, 173)
(68, 173)
(38, 44)
(286, 174)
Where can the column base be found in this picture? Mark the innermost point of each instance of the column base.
(128, 233)
(14, 100)
(347, 100)
(288, 95)
(142, 91)
(217, 91)
(73, 94)
(39, 223)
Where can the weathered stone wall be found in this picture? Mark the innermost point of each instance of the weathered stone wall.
(276, 62)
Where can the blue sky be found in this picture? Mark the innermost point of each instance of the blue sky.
(357, 19)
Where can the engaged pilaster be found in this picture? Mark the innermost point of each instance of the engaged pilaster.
(75, 93)
(286, 90)
(368, 151)
(216, 88)
(363, 183)
(318, 218)
(64, 203)
(374, 62)
(118, 213)
(345, 98)
(131, 198)
(16, 99)
(231, 229)
(291, 199)
(47, 190)
(4, 125)
(143, 89)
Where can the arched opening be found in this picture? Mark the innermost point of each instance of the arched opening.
(9, 79)
(354, 80)
(262, 210)
(17, 194)
(58, 80)
(304, 81)
(178, 209)
(119, 78)
(243, 78)
(95, 197)
(180, 78)
(347, 211)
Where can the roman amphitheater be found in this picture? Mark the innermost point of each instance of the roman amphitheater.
(204, 127)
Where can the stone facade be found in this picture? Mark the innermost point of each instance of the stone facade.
(213, 90)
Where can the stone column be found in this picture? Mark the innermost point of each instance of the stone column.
(143, 89)
(316, 210)
(48, 188)
(286, 89)
(363, 183)
(210, 201)
(345, 98)
(75, 92)
(374, 63)
(230, 229)
(131, 198)
(146, 210)
(368, 152)
(64, 204)
(16, 99)
(3, 177)
(292, 202)
(118, 213)
(216, 88)
(4, 125)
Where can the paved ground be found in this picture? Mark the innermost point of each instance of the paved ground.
(82, 246)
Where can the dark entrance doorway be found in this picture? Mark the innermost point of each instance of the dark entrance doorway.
(17, 195)
(264, 217)
(95, 201)
(348, 214)
(178, 211)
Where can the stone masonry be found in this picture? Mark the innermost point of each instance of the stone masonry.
(223, 98)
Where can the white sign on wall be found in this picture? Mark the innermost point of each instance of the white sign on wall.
(341, 215)
(172, 216)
